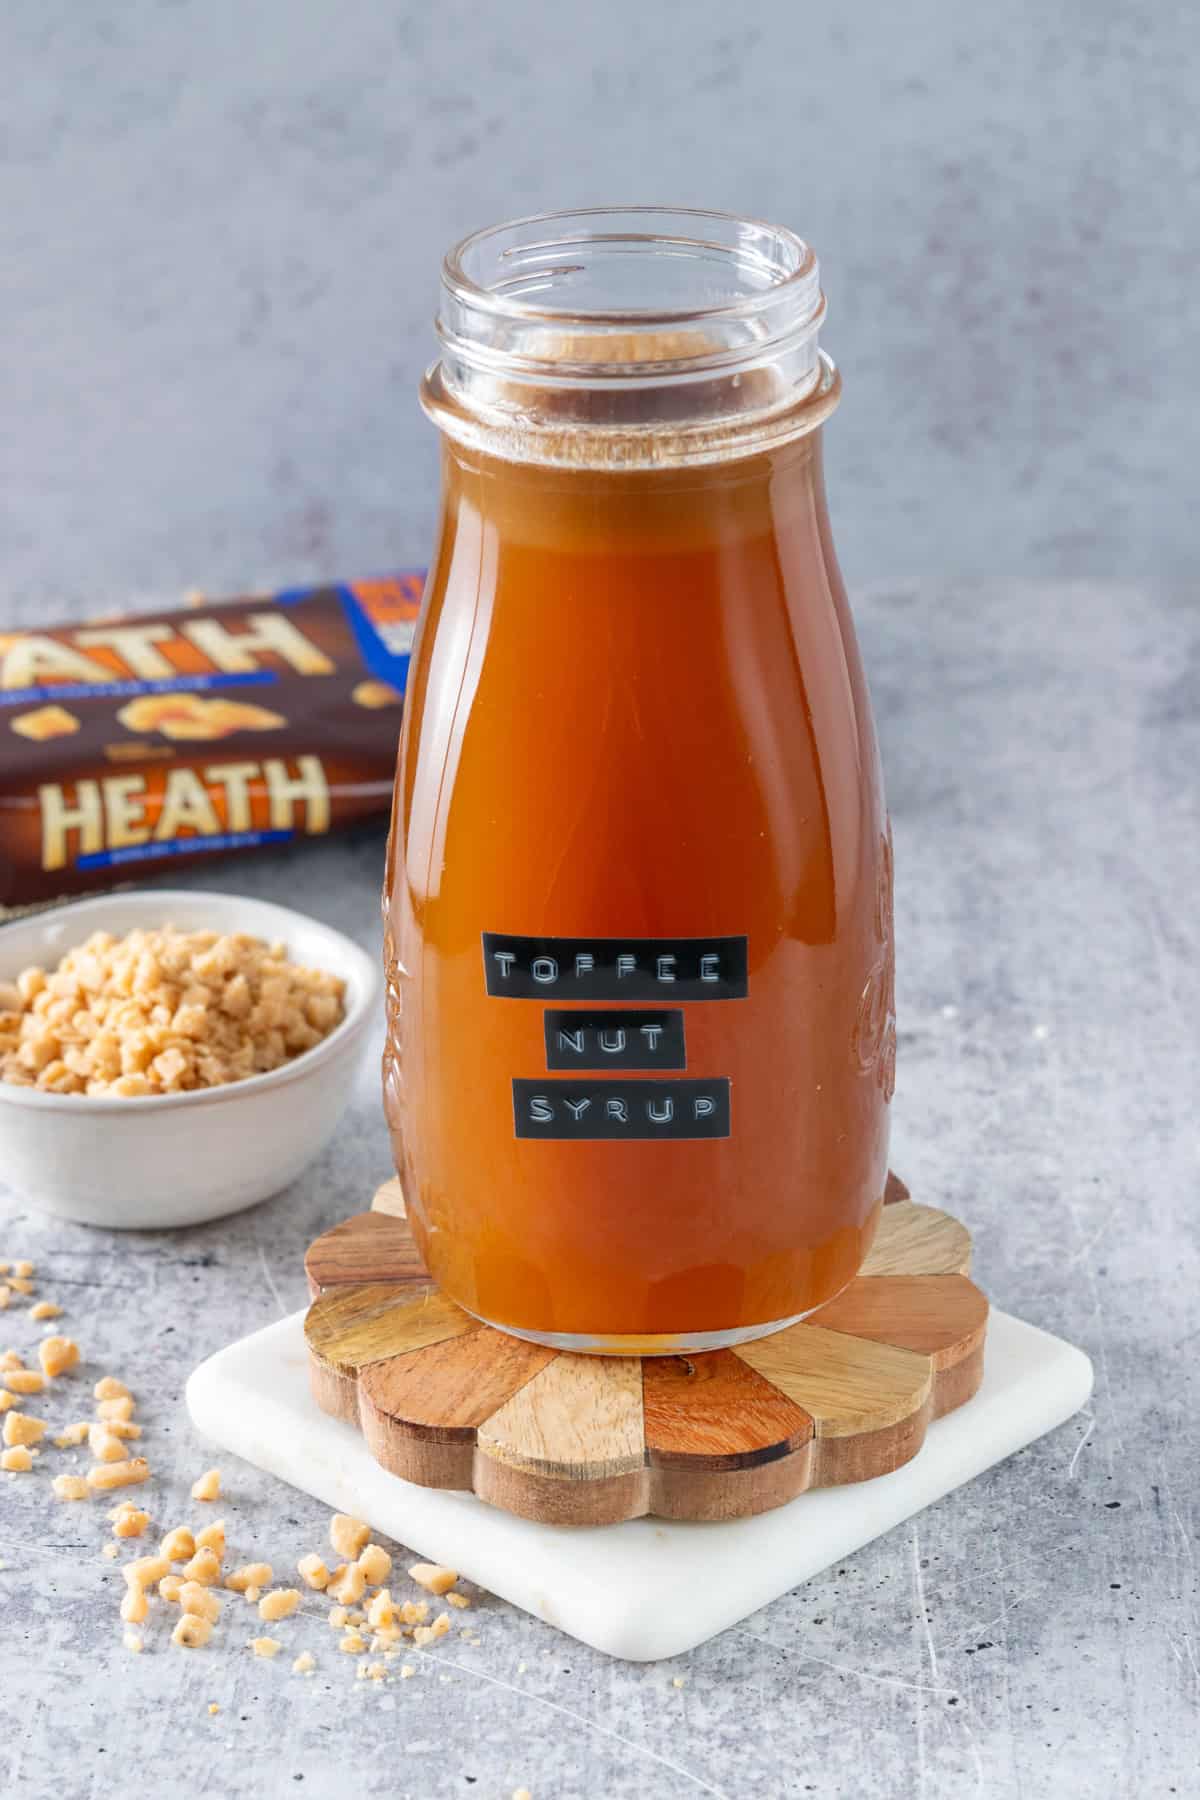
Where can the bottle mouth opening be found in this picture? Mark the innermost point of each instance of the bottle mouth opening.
(623, 320)
(645, 265)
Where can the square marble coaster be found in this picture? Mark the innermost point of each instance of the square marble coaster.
(647, 1588)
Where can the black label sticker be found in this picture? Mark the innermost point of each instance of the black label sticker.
(569, 969)
(621, 1109)
(615, 1040)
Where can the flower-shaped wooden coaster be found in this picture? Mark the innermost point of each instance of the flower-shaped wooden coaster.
(586, 1440)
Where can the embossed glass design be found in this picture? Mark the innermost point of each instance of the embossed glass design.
(641, 1032)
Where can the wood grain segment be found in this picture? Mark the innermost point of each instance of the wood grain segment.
(918, 1240)
(839, 1461)
(943, 1317)
(954, 1386)
(449, 1388)
(678, 1492)
(334, 1390)
(714, 1412)
(848, 1385)
(446, 1401)
(339, 1322)
(370, 1247)
(389, 1199)
(351, 1327)
(419, 1412)
(580, 1419)
(550, 1501)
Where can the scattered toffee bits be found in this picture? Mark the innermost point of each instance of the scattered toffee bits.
(22, 1428)
(314, 1571)
(24, 1381)
(192, 1632)
(175, 1592)
(162, 1012)
(129, 1521)
(280, 1603)
(183, 1587)
(250, 1577)
(103, 1477)
(433, 1577)
(57, 1355)
(348, 1535)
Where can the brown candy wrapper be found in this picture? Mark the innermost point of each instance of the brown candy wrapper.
(134, 745)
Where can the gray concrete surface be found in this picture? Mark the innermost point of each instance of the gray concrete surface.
(1034, 1636)
(222, 227)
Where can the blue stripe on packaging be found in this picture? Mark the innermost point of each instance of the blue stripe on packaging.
(225, 840)
(126, 690)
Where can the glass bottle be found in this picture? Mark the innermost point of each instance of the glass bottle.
(641, 1034)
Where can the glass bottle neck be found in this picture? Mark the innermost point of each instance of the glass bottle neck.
(635, 339)
(619, 512)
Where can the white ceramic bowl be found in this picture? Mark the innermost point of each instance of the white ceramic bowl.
(179, 1159)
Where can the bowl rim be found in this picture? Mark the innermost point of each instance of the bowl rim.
(356, 1019)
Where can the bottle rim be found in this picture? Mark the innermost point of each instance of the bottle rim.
(633, 335)
(801, 278)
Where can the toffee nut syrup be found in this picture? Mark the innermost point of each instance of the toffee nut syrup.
(641, 1033)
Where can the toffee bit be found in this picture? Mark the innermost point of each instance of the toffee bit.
(208, 1486)
(433, 1577)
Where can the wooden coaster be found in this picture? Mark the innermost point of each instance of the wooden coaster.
(586, 1440)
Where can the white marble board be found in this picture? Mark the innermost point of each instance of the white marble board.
(647, 1588)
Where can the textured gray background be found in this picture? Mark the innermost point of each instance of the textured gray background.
(222, 224)
(221, 231)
